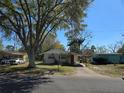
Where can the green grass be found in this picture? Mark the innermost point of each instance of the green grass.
(110, 69)
(40, 69)
(61, 70)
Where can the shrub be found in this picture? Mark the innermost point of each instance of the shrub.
(66, 64)
(100, 60)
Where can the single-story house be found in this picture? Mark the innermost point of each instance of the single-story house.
(116, 58)
(7, 54)
(55, 56)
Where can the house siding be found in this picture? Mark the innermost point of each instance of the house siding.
(112, 58)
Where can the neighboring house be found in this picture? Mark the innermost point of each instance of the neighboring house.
(6, 54)
(116, 58)
(55, 56)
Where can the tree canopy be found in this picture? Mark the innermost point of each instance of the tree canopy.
(10, 48)
(121, 50)
(1, 44)
(33, 20)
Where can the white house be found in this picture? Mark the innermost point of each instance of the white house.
(55, 56)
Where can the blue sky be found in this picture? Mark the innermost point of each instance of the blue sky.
(105, 20)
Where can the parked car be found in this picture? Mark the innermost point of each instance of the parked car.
(16, 61)
(5, 61)
(19, 60)
(12, 61)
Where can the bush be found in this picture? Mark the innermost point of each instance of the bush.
(100, 60)
(66, 64)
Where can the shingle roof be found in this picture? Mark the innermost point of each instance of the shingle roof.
(55, 51)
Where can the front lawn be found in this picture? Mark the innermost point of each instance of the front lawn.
(110, 69)
(40, 69)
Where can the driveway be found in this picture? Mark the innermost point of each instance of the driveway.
(86, 72)
(86, 82)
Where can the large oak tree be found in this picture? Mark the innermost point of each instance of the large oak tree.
(34, 20)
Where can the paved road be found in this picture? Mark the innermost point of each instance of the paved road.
(84, 81)
(81, 85)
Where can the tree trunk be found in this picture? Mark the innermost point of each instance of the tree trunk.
(31, 56)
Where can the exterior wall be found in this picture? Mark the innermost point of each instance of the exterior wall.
(49, 59)
(70, 59)
(54, 58)
(122, 59)
(63, 59)
(74, 58)
(112, 58)
(25, 58)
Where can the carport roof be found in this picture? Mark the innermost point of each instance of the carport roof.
(12, 53)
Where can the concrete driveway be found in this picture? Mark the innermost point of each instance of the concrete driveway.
(86, 72)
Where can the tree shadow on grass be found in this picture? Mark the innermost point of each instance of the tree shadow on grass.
(21, 83)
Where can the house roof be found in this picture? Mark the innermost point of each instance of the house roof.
(12, 53)
(74, 53)
(108, 54)
(19, 53)
(55, 51)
